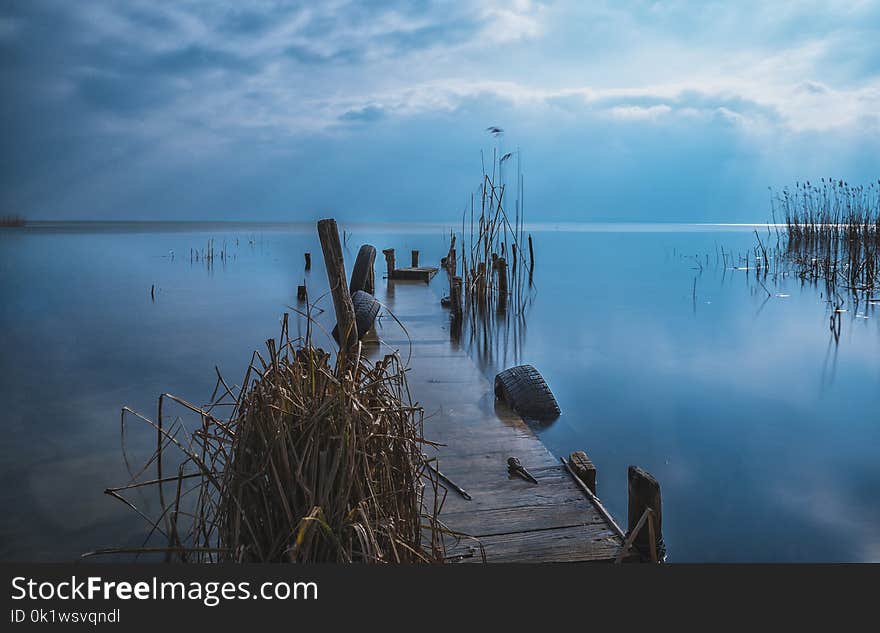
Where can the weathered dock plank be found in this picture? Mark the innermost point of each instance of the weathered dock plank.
(414, 273)
(514, 520)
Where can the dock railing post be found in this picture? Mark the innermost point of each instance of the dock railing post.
(644, 494)
(345, 319)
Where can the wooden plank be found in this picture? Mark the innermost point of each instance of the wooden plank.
(417, 273)
(496, 521)
(516, 520)
(561, 545)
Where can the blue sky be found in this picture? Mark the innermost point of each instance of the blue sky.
(632, 111)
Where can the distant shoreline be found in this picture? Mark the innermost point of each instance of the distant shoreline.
(171, 226)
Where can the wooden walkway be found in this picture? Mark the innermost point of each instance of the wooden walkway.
(516, 521)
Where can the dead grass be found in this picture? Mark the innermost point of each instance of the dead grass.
(316, 462)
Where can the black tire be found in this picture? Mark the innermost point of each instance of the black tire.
(366, 308)
(526, 392)
(362, 274)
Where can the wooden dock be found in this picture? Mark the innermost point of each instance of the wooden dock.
(514, 520)
(410, 273)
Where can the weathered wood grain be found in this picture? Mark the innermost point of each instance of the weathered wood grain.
(515, 520)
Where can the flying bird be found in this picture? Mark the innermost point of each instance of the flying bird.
(494, 131)
(505, 157)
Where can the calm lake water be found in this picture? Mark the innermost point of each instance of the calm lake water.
(762, 431)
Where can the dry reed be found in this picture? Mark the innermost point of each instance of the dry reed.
(317, 462)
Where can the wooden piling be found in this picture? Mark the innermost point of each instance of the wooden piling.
(308, 261)
(583, 467)
(389, 262)
(333, 261)
(502, 278)
(644, 494)
(481, 280)
(451, 262)
(415, 259)
(301, 293)
(455, 296)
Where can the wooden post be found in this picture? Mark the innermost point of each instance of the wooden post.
(345, 320)
(455, 296)
(502, 277)
(451, 262)
(389, 261)
(415, 259)
(481, 280)
(583, 467)
(308, 261)
(301, 293)
(644, 492)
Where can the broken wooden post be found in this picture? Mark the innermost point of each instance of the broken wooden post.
(415, 259)
(644, 494)
(301, 293)
(333, 261)
(451, 262)
(308, 261)
(584, 469)
(389, 261)
(455, 296)
(502, 277)
(481, 280)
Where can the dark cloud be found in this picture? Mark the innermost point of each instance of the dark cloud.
(363, 115)
(195, 58)
(309, 56)
(203, 109)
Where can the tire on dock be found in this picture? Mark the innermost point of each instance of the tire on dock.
(362, 275)
(526, 392)
(366, 307)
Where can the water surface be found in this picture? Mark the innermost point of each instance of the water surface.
(761, 429)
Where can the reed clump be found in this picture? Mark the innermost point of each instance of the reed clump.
(496, 256)
(833, 232)
(316, 462)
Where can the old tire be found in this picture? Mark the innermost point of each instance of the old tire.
(526, 392)
(362, 274)
(366, 307)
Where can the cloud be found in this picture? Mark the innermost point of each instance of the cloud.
(178, 85)
(364, 115)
